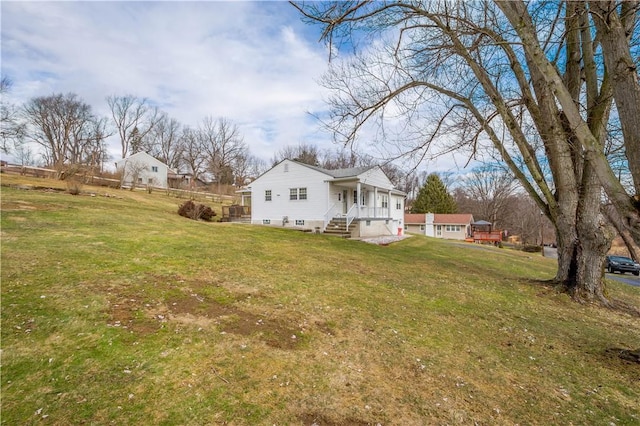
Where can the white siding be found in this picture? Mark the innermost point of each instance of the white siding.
(279, 180)
(140, 167)
(375, 177)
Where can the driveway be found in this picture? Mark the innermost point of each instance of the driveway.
(626, 278)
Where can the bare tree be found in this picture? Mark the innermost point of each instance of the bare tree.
(491, 188)
(65, 127)
(193, 154)
(615, 27)
(133, 118)
(340, 159)
(164, 141)
(456, 76)
(304, 153)
(223, 145)
(12, 129)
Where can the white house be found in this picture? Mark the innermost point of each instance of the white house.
(358, 201)
(448, 226)
(141, 169)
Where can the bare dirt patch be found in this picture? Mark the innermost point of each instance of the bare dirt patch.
(273, 331)
(185, 306)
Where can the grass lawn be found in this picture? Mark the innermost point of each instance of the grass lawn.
(117, 310)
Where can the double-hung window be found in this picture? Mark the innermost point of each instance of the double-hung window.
(297, 193)
(267, 195)
(154, 169)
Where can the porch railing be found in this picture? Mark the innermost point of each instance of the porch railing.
(350, 215)
(329, 215)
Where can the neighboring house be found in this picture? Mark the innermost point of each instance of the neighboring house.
(141, 169)
(449, 226)
(359, 202)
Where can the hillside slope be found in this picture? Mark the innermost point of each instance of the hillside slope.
(116, 309)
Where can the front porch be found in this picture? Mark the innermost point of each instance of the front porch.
(355, 205)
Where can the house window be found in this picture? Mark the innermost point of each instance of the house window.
(299, 222)
(422, 227)
(385, 202)
(286, 168)
(139, 180)
(405, 227)
(297, 193)
(452, 228)
(267, 195)
(154, 169)
(368, 222)
(398, 204)
(266, 221)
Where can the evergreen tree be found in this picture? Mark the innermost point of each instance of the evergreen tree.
(434, 198)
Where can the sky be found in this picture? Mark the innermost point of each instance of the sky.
(254, 63)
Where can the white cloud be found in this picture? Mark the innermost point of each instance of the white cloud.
(254, 63)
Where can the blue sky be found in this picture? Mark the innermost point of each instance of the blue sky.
(254, 63)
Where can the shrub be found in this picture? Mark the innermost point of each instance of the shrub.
(532, 249)
(74, 186)
(196, 211)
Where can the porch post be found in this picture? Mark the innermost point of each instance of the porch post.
(358, 198)
(375, 201)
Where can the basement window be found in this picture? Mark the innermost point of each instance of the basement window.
(266, 221)
(299, 222)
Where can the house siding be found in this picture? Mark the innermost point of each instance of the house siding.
(139, 167)
(280, 180)
(433, 225)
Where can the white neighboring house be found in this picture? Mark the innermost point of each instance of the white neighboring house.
(359, 202)
(141, 169)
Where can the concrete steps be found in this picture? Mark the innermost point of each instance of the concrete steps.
(338, 227)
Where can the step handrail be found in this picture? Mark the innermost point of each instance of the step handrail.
(327, 215)
(349, 216)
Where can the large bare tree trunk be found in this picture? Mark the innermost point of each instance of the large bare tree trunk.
(594, 241)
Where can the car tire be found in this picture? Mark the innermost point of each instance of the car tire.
(636, 273)
(611, 270)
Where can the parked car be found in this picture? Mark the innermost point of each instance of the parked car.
(622, 264)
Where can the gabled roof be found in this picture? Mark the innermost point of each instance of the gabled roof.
(338, 173)
(453, 219)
